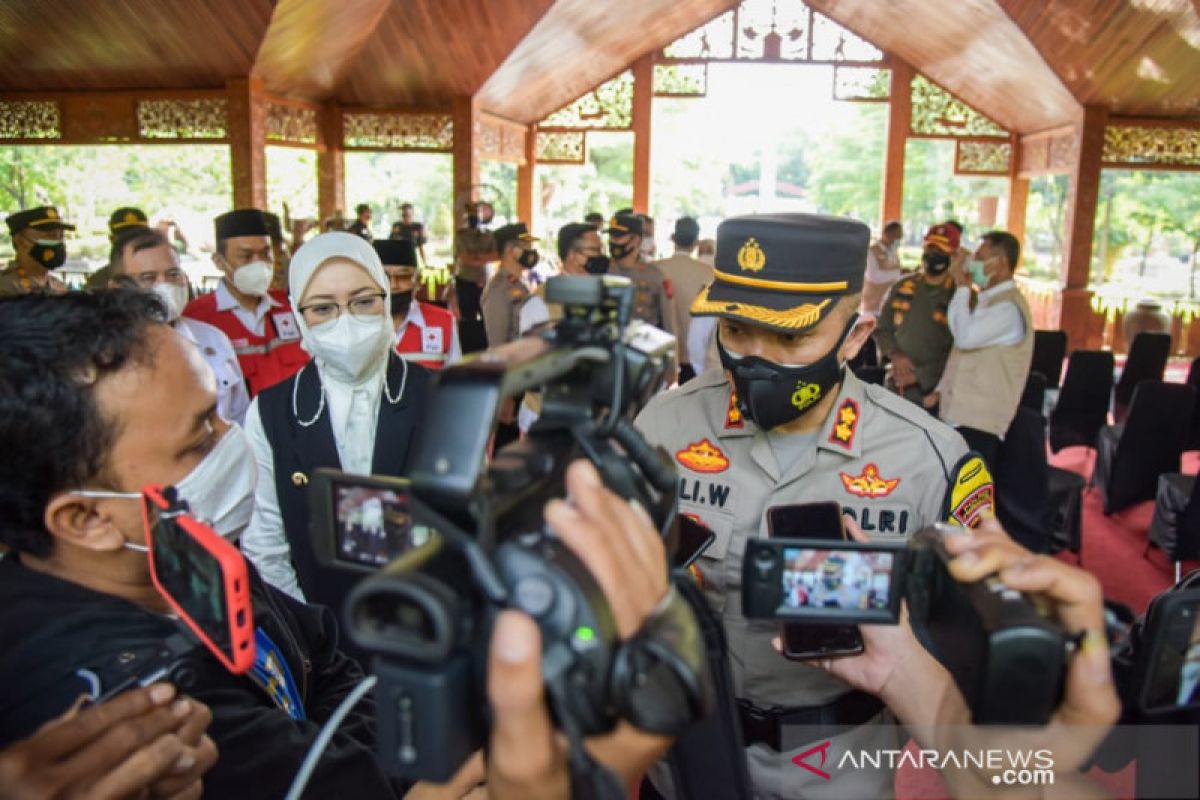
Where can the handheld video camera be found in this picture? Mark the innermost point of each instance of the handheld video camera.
(1007, 657)
(476, 543)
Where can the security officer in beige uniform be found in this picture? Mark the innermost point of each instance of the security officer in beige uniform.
(782, 423)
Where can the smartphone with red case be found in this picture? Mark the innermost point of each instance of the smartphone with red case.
(813, 521)
(202, 577)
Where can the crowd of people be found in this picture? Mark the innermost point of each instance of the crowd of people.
(324, 353)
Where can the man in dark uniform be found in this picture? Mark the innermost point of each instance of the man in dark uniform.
(409, 230)
(767, 432)
(123, 219)
(362, 225)
(37, 239)
(652, 291)
(913, 330)
(474, 249)
(257, 319)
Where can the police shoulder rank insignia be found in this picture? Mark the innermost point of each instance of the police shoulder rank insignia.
(971, 497)
(870, 483)
(702, 456)
(668, 289)
(906, 287)
(733, 415)
(750, 256)
(845, 423)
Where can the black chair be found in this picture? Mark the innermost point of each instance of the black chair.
(1049, 350)
(1147, 361)
(1130, 457)
(1176, 524)
(1034, 396)
(1039, 505)
(1082, 407)
(1193, 380)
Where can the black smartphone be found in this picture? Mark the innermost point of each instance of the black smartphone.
(813, 521)
(693, 539)
(1170, 671)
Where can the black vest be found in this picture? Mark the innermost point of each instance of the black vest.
(299, 451)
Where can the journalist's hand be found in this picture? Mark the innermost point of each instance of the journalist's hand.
(1090, 703)
(125, 746)
(193, 733)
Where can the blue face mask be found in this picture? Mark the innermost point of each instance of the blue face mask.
(978, 276)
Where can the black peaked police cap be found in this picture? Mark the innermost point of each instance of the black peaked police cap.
(784, 272)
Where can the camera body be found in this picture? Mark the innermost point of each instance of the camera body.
(1008, 658)
(427, 616)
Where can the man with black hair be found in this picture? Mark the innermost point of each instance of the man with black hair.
(993, 345)
(37, 240)
(580, 252)
(595, 219)
(687, 277)
(409, 230)
(257, 319)
(652, 292)
(123, 220)
(145, 259)
(362, 224)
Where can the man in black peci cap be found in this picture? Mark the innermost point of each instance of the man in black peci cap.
(652, 291)
(37, 239)
(257, 319)
(784, 422)
(425, 334)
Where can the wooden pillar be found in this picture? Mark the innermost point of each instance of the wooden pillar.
(465, 112)
(331, 164)
(899, 125)
(1018, 192)
(643, 107)
(1082, 327)
(526, 180)
(247, 142)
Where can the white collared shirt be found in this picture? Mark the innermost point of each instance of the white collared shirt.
(987, 326)
(414, 316)
(252, 321)
(232, 397)
(354, 415)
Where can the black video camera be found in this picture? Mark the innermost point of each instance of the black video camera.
(1007, 657)
(469, 540)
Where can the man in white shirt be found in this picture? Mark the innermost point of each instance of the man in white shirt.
(883, 267)
(687, 276)
(993, 345)
(144, 258)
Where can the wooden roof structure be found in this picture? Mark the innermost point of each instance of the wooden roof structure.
(1025, 87)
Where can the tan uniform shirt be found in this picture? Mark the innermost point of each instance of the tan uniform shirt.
(13, 282)
(888, 463)
(687, 277)
(470, 241)
(651, 293)
(501, 303)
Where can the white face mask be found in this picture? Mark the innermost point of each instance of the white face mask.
(648, 249)
(219, 490)
(349, 349)
(173, 297)
(254, 278)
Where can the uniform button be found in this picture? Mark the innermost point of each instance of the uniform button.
(299, 479)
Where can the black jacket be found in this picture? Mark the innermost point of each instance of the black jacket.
(299, 450)
(50, 628)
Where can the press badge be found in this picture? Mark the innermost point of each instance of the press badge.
(432, 340)
(286, 327)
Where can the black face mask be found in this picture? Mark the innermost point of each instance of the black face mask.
(472, 220)
(529, 259)
(596, 265)
(771, 395)
(935, 263)
(401, 301)
(50, 256)
(619, 250)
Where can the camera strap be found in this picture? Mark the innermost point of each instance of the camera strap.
(709, 759)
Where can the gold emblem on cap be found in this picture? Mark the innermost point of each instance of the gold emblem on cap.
(299, 479)
(751, 256)
(52, 213)
(130, 217)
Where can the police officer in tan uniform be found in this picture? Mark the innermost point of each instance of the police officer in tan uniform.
(502, 299)
(37, 240)
(765, 431)
(652, 291)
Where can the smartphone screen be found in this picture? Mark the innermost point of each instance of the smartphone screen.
(1173, 680)
(836, 580)
(192, 577)
(694, 538)
(806, 521)
(813, 521)
(373, 525)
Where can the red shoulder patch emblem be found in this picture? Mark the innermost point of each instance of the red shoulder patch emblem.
(845, 423)
(870, 483)
(733, 415)
(668, 289)
(703, 456)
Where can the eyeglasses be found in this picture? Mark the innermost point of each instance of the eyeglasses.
(370, 305)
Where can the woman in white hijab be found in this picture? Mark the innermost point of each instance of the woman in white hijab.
(354, 407)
